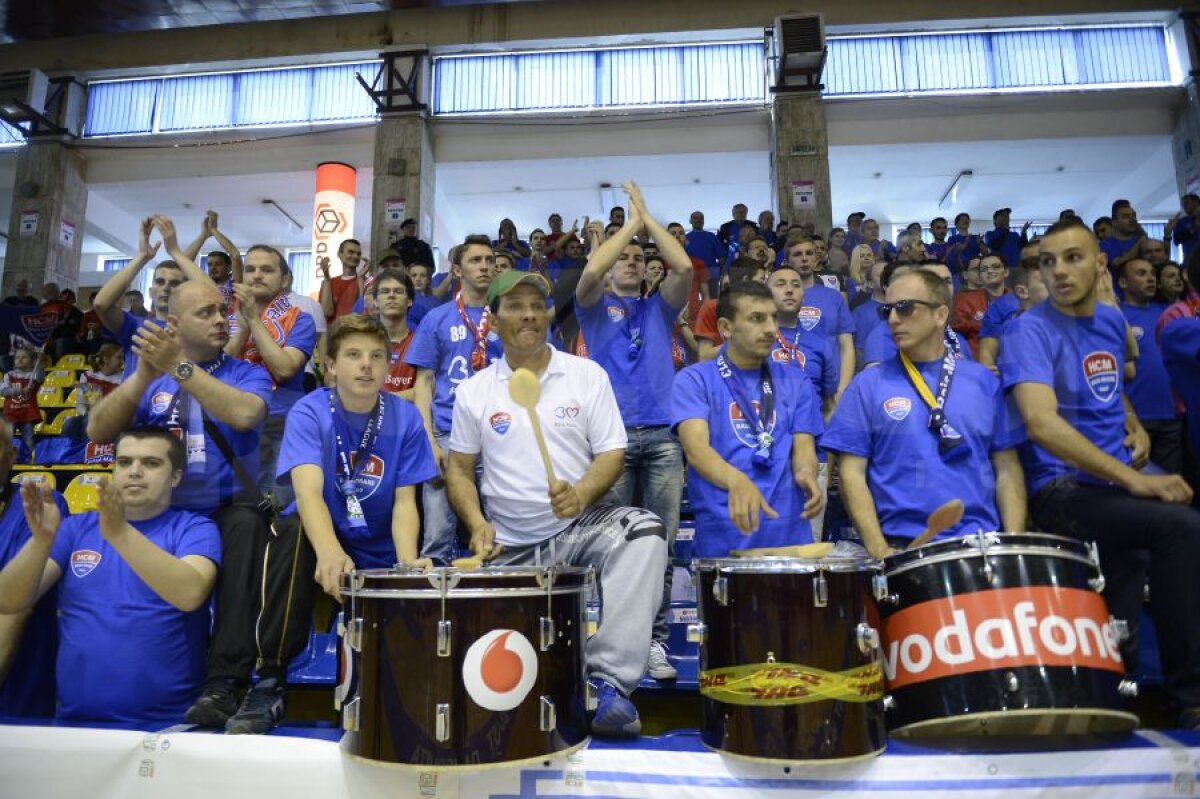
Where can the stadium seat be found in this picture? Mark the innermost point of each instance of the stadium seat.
(74, 397)
(55, 426)
(83, 493)
(35, 476)
(60, 378)
(51, 397)
(73, 361)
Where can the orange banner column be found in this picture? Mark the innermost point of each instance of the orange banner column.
(333, 213)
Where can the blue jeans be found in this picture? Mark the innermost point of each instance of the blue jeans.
(654, 464)
(440, 524)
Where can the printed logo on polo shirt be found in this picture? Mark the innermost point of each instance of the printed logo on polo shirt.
(742, 428)
(370, 477)
(1138, 332)
(84, 561)
(616, 314)
(500, 422)
(161, 401)
(780, 355)
(566, 411)
(897, 408)
(1100, 372)
(809, 318)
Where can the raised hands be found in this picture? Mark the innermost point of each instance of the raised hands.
(146, 250)
(111, 508)
(157, 347)
(41, 513)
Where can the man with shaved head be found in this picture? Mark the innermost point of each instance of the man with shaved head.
(215, 403)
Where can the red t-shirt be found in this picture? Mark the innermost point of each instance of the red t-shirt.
(90, 327)
(401, 376)
(706, 323)
(967, 318)
(23, 407)
(345, 294)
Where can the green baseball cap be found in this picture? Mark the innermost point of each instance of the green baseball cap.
(509, 280)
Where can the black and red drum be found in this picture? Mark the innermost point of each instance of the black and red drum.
(789, 664)
(452, 668)
(1001, 634)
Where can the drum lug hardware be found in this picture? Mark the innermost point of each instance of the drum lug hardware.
(820, 591)
(354, 634)
(547, 633)
(358, 580)
(548, 718)
(770, 657)
(989, 573)
(443, 642)
(591, 618)
(697, 633)
(442, 725)
(879, 587)
(1127, 688)
(591, 700)
(1097, 583)
(867, 637)
(350, 715)
(1120, 629)
(1011, 684)
(721, 590)
(889, 702)
(1093, 554)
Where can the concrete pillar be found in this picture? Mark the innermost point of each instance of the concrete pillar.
(404, 171)
(800, 160)
(45, 227)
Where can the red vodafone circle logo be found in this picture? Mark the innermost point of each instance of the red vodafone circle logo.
(500, 669)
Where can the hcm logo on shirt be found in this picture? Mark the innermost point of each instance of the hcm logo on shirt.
(616, 314)
(742, 427)
(780, 355)
(1100, 372)
(809, 318)
(84, 561)
(897, 408)
(500, 422)
(368, 480)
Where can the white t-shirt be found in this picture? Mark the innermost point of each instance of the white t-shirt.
(313, 309)
(580, 420)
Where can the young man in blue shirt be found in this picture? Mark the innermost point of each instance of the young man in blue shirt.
(1063, 361)
(1002, 241)
(1127, 236)
(455, 341)
(825, 312)
(630, 336)
(135, 579)
(1150, 389)
(355, 454)
(923, 428)
(748, 424)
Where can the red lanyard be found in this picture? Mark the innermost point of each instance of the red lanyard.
(479, 353)
(793, 350)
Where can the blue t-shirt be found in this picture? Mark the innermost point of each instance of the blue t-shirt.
(124, 337)
(707, 247)
(958, 260)
(641, 380)
(302, 336)
(1150, 390)
(937, 250)
(1186, 233)
(701, 393)
(999, 313)
(444, 344)
(866, 318)
(1180, 342)
(28, 690)
(125, 654)
(819, 357)
(400, 457)
(1006, 243)
(1083, 360)
(880, 346)
(825, 313)
(209, 485)
(882, 418)
(1115, 248)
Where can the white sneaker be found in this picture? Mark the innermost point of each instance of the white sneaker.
(659, 667)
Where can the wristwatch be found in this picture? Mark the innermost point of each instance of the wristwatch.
(184, 370)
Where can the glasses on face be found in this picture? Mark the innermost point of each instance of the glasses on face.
(903, 308)
(991, 268)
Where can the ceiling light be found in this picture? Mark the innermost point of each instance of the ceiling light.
(282, 214)
(951, 195)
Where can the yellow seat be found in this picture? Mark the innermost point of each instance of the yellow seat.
(35, 476)
(51, 397)
(83, 493)
(55, 426)
(74, 398)
(60, 378)
(73, 361)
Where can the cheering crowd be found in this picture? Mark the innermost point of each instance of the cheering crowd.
(266, 444)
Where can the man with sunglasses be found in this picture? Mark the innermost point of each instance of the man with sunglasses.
(1064, 362)
(878, 344)
(924, 428)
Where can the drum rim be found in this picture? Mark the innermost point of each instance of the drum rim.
(464, 593)
(917, 728)
(775, 564)
(488, 572)
(1074, 543)
(991, 553)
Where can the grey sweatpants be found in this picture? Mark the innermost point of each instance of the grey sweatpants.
(628, 549)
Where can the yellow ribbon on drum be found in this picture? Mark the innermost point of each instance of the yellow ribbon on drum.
(774, 684)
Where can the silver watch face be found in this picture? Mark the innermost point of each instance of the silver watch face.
(184, 370)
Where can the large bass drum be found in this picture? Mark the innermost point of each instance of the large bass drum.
(448, 668)
(1001, 634)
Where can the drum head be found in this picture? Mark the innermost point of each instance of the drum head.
(508, 580)
(774, 565)
(994, 544)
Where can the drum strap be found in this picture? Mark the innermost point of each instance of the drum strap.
(950, 441)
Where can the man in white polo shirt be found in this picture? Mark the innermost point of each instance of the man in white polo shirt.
(568, 522)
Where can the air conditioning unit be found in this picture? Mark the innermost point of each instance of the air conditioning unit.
(799, 44)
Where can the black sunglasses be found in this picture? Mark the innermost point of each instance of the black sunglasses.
(903, 308)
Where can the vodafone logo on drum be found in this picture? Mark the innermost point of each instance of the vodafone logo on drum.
(1004, 628)
(500, 669)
